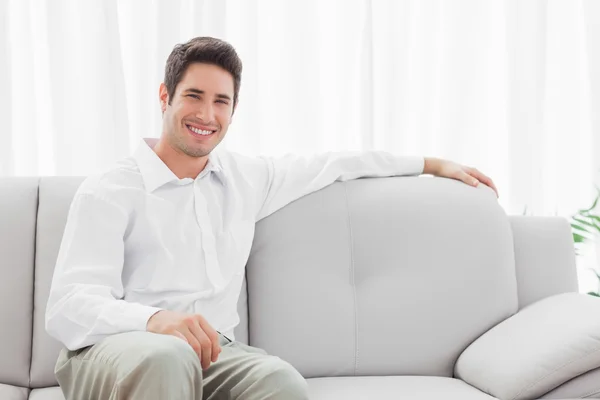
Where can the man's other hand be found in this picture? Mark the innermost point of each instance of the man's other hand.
(192, 328)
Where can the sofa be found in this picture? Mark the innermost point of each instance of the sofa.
(378, 288)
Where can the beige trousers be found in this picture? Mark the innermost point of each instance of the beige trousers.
(149, 366)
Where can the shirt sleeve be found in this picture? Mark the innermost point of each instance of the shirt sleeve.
(291, 177)
(86, 296)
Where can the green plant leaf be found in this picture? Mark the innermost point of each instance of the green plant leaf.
(594, 294)
(594, 204)
(596, 218)
(579, 228)
(586, 223)
(595, 273)
(577, 238)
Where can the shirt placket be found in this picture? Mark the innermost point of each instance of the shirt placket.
(209, 248)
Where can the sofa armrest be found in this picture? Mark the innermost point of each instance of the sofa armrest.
(541, 347)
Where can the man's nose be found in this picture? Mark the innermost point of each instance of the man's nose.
(206, 113)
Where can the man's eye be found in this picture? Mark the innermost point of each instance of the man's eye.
(194, 96)
(222, 101)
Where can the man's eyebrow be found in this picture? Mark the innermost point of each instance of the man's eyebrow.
(197, 91)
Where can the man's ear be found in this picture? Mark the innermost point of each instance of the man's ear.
(163, 97)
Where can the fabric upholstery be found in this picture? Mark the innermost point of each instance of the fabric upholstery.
(392, 388)
(51, 393)
(543, 247)
(8, 392)
(18, 206)
(362, 286)
(586, 386)
(56, 194)
(530, 354)
(401, 288)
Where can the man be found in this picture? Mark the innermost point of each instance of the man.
(144, 294)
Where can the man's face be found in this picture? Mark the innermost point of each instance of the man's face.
(200, 111)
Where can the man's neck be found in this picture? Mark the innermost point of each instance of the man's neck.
(182, 165)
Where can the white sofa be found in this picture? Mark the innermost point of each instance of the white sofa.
(387, 288)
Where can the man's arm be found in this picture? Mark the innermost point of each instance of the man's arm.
(292, 177)
(85, 303)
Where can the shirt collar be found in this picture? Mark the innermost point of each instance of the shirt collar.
(155, 172)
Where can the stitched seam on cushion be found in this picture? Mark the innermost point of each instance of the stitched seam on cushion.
(353, 281)
(35, 245)
(591, 393)
(554, 371)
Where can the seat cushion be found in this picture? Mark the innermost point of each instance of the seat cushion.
(362, 387)
(393, 387)
(8, 392)
(51, 393)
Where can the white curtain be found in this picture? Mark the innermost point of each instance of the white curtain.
(511, 87)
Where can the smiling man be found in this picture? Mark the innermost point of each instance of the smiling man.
(145, 289)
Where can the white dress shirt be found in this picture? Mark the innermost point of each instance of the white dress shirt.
(138, 239)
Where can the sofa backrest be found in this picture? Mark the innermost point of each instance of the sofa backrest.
(390, 276)
(374, 276)
(18, 205)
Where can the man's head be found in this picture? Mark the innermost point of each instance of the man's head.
(199, 94)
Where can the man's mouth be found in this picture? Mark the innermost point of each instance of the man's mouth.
(200, 132)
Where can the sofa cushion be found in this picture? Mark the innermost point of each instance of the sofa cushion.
(51, 393)
(8, 392)
(56, 194)
(543, 247)
(585, 386)
(397, 289)
(540, 348)
(18, 207)
(392, 387)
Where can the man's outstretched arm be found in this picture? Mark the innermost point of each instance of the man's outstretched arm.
(291, 177)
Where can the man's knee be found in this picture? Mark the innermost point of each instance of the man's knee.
(283, 381)
(166, 366)
(164, 352)
(134, 365)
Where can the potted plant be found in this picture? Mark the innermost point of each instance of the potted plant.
(586, 226)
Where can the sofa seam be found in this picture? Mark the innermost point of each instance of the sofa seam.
(554, 371)
(586, 396)
(35, 239)
(352, 280)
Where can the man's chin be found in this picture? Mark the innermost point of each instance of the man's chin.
(189, 147)
(195, 151)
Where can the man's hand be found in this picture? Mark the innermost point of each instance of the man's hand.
(192, 328)
(449, 169)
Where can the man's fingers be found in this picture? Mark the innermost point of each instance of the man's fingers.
(478, 175)
(468, 179)
(205, 344)
(180, 336)
(191, 339)
(213, 336)
(216, 350)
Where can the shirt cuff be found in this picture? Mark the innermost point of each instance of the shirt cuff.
(135, 316)
(411, 165)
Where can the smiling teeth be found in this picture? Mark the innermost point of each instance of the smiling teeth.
(199, 131)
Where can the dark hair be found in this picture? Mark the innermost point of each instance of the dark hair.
(207, 50)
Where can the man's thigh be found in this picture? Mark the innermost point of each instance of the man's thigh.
(246, 372)
(133, 365)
